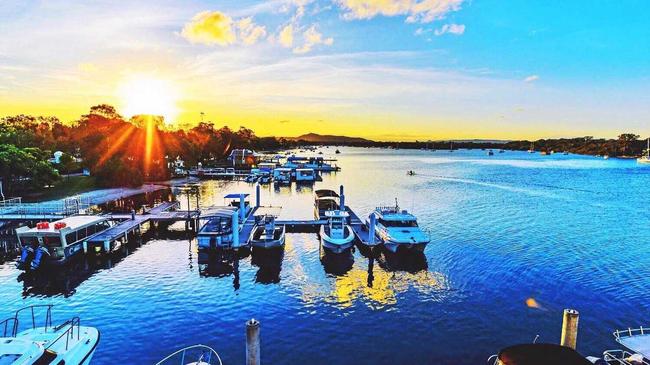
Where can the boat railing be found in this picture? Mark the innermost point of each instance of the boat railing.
(69, 333)
(13, 322)
(630, 332)
(197, 354)
(622, 357)
(48, 315)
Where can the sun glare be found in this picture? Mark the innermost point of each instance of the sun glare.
(148, 95)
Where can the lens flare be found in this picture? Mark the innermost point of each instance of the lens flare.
(148, 95)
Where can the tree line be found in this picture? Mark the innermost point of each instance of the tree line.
(118, 152)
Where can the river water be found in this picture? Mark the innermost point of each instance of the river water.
(515, 239)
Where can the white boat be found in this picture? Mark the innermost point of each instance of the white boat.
(398, 228)
(57, 242)
(325, 200)
(282, 176)
(336, 235)
(532, 148)
(305, 175)
(220, 228)
(43, 343)
(646, 158)
(265, 233)
(265, 178)
(192, 355)
(315, 163)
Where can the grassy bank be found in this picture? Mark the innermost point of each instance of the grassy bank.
(67, 186)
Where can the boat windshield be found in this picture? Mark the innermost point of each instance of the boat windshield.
(398, 223)
(48, 241)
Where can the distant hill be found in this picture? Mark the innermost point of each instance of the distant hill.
(320, 138)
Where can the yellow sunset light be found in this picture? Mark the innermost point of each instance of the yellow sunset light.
(148, 95)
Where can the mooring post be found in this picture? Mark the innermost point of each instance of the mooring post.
(257, 195)
(132, 214)
(235, 229)
(342, 197)
(371, 229)
(570, 328)
(242, 206)
(253, 342)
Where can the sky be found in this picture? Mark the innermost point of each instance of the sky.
(380, 69)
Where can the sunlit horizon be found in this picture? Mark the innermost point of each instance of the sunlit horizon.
(445, 69)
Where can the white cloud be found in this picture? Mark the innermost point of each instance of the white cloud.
(312, 37)
(286, 36)
(456, 29)
(424, 11)
(249, 32)
(531, 78)
(210, 27)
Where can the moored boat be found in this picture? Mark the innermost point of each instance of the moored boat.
(336, 235)
(282, 176)
(646, 158)
(266, 234)
(192, 355)
(398, 228)
(57, 242)
(325, 200)
(44, 343)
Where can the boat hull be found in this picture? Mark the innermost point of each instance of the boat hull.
(256, 239)
(335, 245)
(395, 246)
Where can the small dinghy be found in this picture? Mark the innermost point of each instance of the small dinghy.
(266, 234)
(192, 355)
(336, 235)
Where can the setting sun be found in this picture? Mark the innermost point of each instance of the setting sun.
(148, 95)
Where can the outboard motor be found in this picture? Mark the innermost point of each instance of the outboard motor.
(26, 255)
(38, 257)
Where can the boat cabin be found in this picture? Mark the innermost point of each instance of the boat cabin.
(219, 227)
(305, 175)
(62, 238)
(336, 221)
(282, 175)
(394, 217)
(325, 200)
(239, 201)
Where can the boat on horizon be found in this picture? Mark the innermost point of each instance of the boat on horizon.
(44, 343)
(645, 159)
(336, 235)
(398, 229)
(490, 153)
(532, 147)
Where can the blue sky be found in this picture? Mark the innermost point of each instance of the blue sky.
(386, 69)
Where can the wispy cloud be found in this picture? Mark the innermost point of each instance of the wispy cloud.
(311, 38)
(217, 28)
(425, 11)
(456, 29)
(531, 78)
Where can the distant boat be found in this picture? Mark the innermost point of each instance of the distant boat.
(532, 148)
(645, 159)
(410, 172)
(565, 153)
(337, 151)
(451, 146)
(606, 157)
(490, 153)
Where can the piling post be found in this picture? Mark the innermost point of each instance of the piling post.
(132, 214)
(242, 206)
(257, 195)
(235, 229)
(342, 197)
(569, 328)
(371, 229)
(253, 342)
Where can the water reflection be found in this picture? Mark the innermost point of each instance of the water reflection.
(336, 263)
(406, 260)
(269, 262)
(221, 263)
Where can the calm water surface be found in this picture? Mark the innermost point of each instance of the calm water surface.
(568, 231)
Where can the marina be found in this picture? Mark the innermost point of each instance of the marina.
(468, 274)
